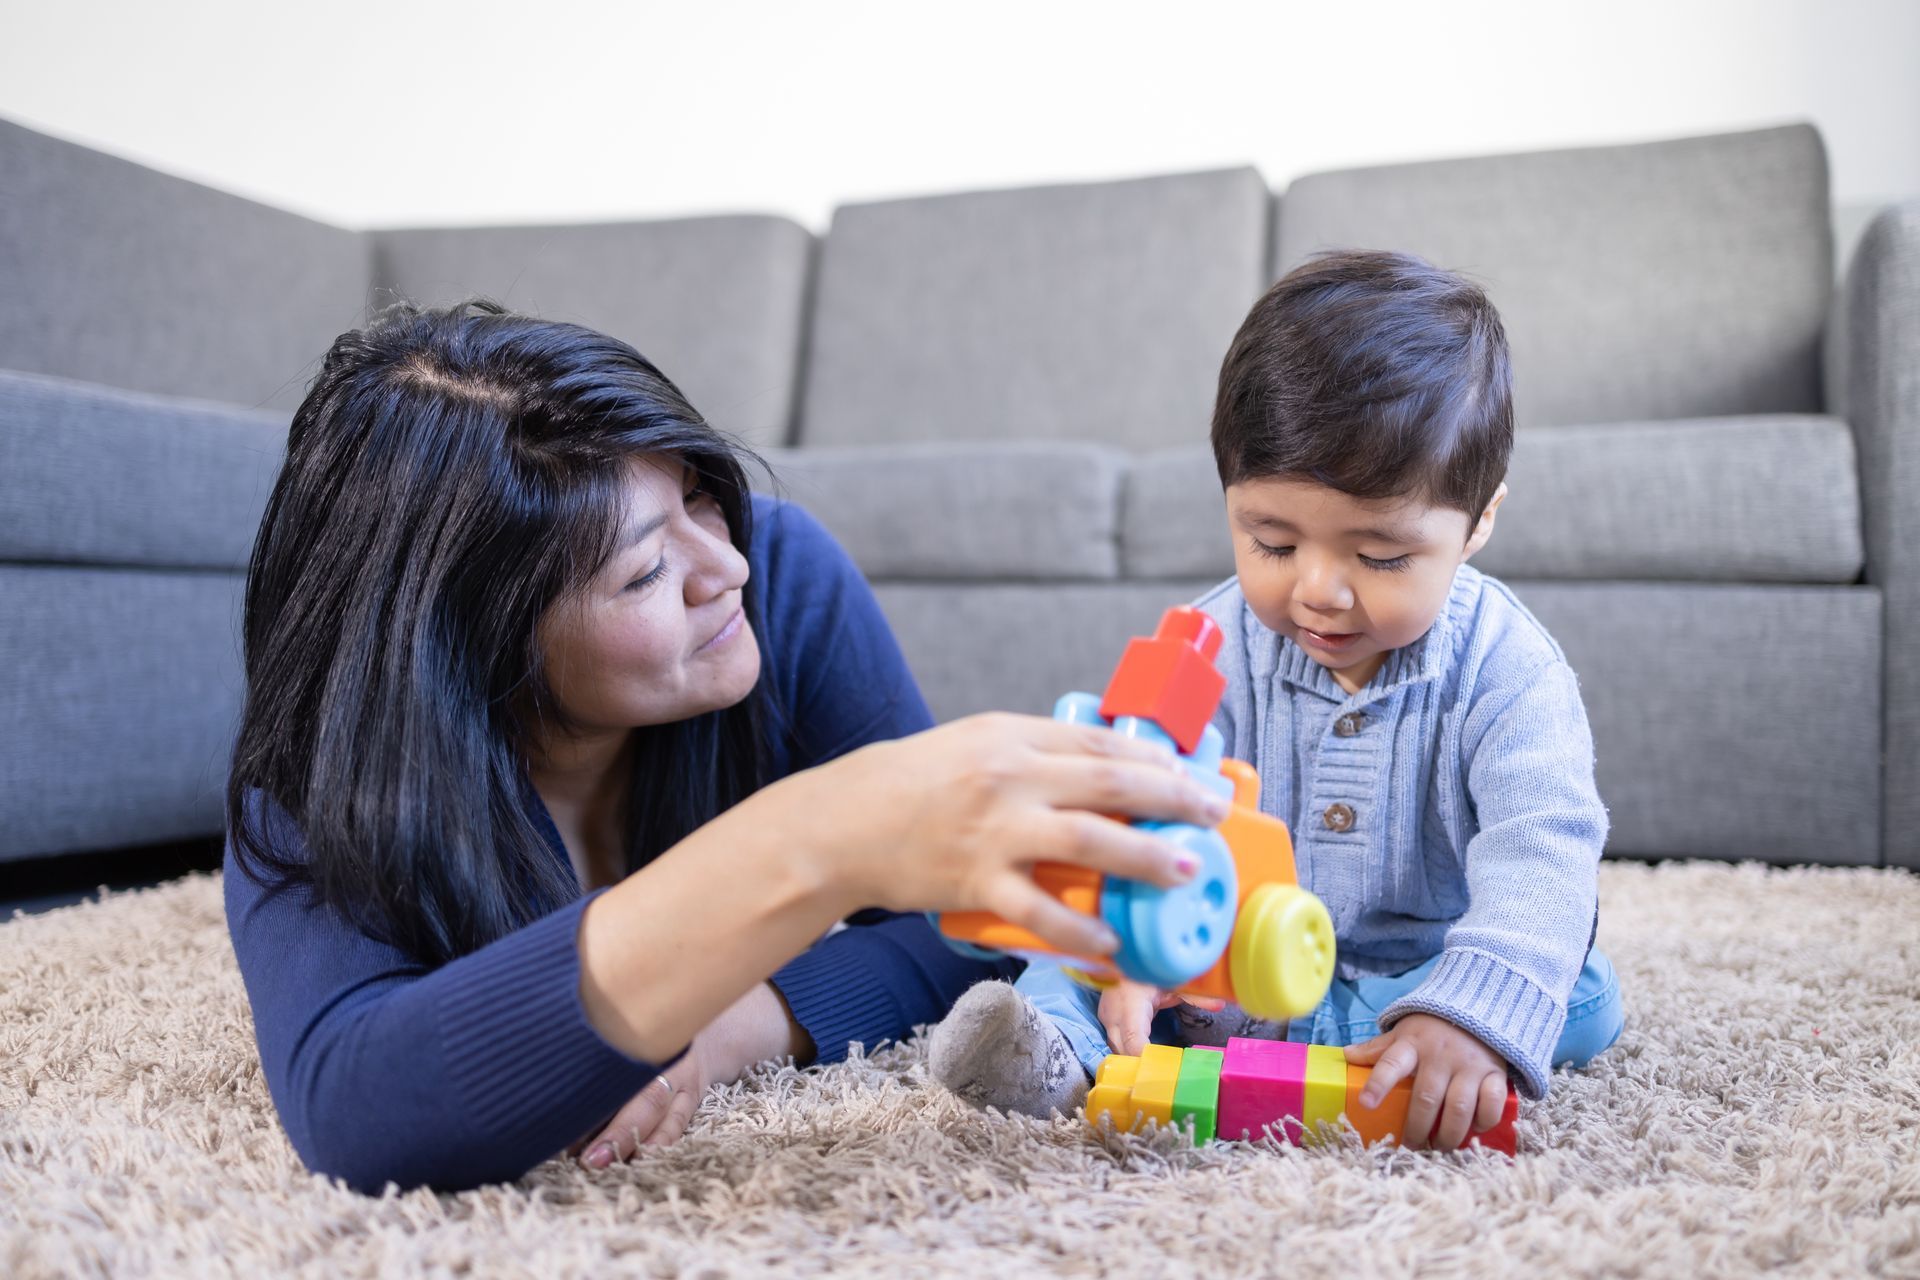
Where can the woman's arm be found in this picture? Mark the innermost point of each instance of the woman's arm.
(480, 1069)
(950, 819)
(385, 1071)
(841, 683)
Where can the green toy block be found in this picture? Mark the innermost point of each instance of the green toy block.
(1196, 1096)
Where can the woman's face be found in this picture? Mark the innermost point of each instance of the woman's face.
(658, 635)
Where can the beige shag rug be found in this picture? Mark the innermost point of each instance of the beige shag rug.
(1761, 1110)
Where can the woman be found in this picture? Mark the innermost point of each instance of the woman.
(559, 751)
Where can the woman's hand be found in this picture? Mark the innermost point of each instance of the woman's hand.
(656, 1116)
(954, 818)
(1460, 1081)
(1127, 1009)
(757, 1027)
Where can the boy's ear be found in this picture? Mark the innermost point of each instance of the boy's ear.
(1484, 530)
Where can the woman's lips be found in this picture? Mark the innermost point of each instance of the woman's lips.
(727, 632)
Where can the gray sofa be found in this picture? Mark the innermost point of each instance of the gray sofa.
(998, 400)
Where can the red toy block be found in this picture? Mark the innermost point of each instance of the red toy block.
(1170, 679)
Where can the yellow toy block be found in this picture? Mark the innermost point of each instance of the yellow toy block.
(1154, 1084)
(1325, 1088)
(1112, 1092)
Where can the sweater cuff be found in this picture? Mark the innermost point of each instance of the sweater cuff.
(521, 1051)
(878, 980)
(837, 990)
(1504, 1008)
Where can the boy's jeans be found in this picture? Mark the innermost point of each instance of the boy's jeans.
(1348, 1015)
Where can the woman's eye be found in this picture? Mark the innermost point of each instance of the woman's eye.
(650, 577)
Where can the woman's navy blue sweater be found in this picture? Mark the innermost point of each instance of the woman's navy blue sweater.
(385, 1069)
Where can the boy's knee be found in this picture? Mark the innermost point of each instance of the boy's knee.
(1595, 1014)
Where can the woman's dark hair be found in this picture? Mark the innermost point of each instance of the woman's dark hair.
(1375, 373)
(451, 474)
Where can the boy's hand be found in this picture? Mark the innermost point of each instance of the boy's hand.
(1460, 1081)
(1127, 1009)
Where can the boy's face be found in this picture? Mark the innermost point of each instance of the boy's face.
(1346, 580)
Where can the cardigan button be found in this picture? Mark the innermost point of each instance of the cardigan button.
(1349, 724)
(1338, 817)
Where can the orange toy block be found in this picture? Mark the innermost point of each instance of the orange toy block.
(1386, 1122)
(1170, 679)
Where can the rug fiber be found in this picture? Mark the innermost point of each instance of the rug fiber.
(1761, 1110)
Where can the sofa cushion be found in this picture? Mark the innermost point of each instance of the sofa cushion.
(100, 476)
(1017, 646)
(717, 303)
(1772, 498)
(1173, 520)
(1092, 312)
(1672, 279)
(123, 690)
(1007, 511)
(117, 274)
(1729, 720)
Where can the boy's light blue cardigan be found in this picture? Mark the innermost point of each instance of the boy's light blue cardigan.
(1475, 830)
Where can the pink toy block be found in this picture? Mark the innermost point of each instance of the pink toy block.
(1261, 1081)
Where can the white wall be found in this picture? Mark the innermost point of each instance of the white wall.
(367, 113)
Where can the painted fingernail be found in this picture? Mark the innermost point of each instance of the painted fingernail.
(1187, 865)
(600, 1157)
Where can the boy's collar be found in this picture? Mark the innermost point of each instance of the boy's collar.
(1425, 659)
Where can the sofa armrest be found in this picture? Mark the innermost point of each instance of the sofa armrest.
(1874, 379)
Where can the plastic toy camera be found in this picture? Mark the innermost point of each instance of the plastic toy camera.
(1243, 929)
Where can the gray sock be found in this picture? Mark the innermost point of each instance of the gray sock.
(995, 1049)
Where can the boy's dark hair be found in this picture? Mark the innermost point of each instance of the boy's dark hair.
(1375, 373)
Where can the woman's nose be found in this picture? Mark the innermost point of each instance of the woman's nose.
(718, 567)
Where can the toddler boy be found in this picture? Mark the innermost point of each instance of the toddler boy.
(1414, 725)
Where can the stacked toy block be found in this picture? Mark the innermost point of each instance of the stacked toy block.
(1257, 1085)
